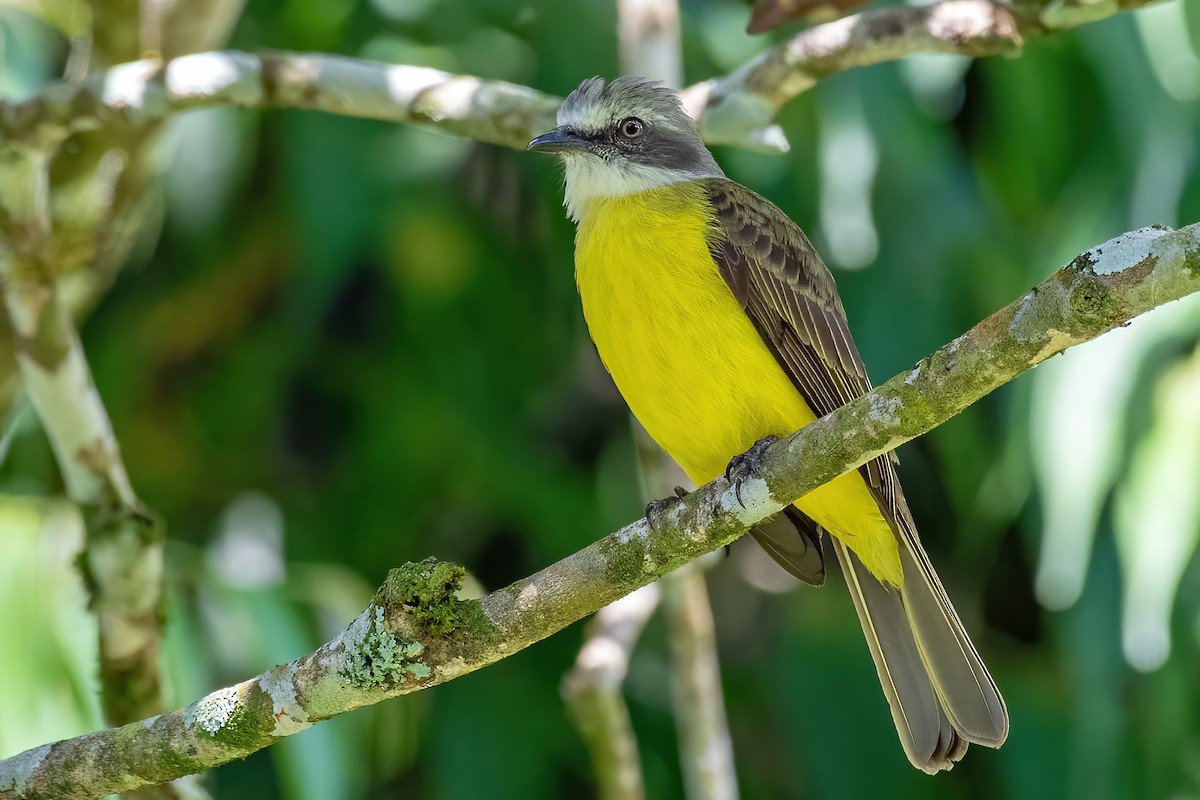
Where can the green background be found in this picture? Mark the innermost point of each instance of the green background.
(350, 344)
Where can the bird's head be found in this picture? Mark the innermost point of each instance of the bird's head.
(624, 136)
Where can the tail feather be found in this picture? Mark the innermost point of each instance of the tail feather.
(941, 696)
(968, 693)
(794, 541)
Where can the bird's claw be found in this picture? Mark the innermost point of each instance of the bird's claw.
(746, 465)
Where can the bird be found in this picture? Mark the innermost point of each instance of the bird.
(723, 329)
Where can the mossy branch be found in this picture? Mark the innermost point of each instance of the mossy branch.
(416, 633)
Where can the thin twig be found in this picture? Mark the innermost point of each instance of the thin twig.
(705, 746)
(592, 690)
(650, 40)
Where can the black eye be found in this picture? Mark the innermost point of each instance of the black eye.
(631, 127)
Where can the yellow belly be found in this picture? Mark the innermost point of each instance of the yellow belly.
(688, 361)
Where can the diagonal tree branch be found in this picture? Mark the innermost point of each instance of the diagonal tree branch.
(738, 108)
(739, 105)
(416, 634)
(122, 563)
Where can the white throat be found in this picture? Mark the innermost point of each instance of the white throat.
(590, 178)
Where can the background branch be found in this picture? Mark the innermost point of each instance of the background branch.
(705, 745)
(141, 92)
(592, 691)
(738, 108)
(123, 559)
(65, 228)
(416, 634)
(698, 698)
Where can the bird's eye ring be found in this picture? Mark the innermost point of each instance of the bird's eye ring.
(631, 127)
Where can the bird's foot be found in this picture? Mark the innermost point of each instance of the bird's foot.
(746, 465)
(656, 508)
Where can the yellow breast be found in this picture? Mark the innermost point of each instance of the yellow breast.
(687, 359)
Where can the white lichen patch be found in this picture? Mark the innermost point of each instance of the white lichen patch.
(1178, 250)
(235, 75)
(1124, 252)
(214, 711)
(636, 530)
(280, 685)
(16, 771)
(329, 654)
(528, 597)
(1038, 311)
(912, 376)
(405, 84)
(885, 410)
(756, 503)
(130, 86)
(358, 630)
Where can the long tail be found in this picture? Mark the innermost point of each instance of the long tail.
(941, 695)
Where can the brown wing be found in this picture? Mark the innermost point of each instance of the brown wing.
(775, 273)
(941, 695)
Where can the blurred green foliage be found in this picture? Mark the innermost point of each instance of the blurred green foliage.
(355, 344)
